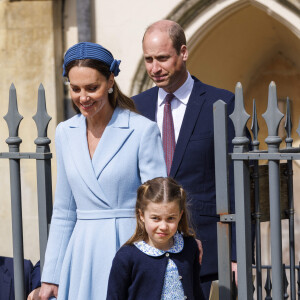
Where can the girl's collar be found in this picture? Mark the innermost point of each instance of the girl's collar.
(151, 251)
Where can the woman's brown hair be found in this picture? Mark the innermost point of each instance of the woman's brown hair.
(160, 190)
(116, 98)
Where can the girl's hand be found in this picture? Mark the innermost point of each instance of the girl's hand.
(200, 250)
(48, 290)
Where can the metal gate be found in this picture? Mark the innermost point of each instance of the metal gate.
(246, 174)
(44, 181)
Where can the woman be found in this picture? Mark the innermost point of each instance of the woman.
(103, 154)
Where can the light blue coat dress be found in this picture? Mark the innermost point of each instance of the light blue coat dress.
(93, 213)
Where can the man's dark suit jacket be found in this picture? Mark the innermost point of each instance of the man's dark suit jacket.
(193, 163)
(32, 277)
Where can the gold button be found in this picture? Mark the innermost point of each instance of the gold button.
(180, 277)
(167, 254)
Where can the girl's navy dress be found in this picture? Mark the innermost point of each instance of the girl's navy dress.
(140, 271)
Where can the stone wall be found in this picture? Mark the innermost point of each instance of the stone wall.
(29, 38)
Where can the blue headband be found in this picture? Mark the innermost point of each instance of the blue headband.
(92, 51)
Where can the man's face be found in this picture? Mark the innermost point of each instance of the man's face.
(164, 66)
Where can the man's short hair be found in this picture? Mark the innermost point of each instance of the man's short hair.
(175, 33)
(177, 36)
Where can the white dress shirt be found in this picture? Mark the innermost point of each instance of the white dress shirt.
(178, 105)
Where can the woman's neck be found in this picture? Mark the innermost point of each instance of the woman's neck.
(100, 120)
(95, 128)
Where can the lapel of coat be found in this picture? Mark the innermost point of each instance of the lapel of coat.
(114, 136)
(192, 112)
(77, 140)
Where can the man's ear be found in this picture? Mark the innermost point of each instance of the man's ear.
(184, 52)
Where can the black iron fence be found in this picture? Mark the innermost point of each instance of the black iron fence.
(43, 157)
(275, 204)
(246, 175)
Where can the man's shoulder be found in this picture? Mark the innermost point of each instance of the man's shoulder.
(147, 93)
(213, 91)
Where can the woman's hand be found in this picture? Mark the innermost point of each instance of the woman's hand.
(48, 290)
(34, 295)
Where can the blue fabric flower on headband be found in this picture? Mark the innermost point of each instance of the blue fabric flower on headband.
(92, 51)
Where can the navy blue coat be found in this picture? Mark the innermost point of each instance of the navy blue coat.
(7, 278)
(36, 276)
(136, 275)
(193, 163)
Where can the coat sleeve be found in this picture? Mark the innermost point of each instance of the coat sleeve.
(63, 218)
(119, 277)
(151, 156)
(27, 272)
(36, 276)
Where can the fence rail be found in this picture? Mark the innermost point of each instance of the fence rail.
(44, 181)
(243, 173)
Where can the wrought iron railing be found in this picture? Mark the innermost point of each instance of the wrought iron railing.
(247, 175)
(43, 156)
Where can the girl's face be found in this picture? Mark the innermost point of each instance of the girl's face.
(161, 222)
(89, 91)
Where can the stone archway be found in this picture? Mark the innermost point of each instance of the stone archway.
(200, 17)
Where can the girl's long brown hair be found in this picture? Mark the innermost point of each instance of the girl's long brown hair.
(159, 190)
(116, 98)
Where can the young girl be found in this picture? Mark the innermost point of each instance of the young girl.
(161, 259)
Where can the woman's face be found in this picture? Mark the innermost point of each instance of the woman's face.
(89, 91)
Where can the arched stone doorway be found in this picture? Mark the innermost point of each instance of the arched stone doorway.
(202, 20)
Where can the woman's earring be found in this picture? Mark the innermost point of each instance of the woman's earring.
(110, 90)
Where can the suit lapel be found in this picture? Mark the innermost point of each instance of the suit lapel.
(192, 112)
(114, 136)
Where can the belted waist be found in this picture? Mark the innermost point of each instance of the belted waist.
(105, 213)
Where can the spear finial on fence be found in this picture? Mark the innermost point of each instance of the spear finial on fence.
(273, 117)
(255, 128)
(13, 119)
(239, 117)
(42, 119)
(288, 124)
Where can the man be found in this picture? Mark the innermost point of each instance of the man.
(36, 282)
(32, 277)
(187, 118)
